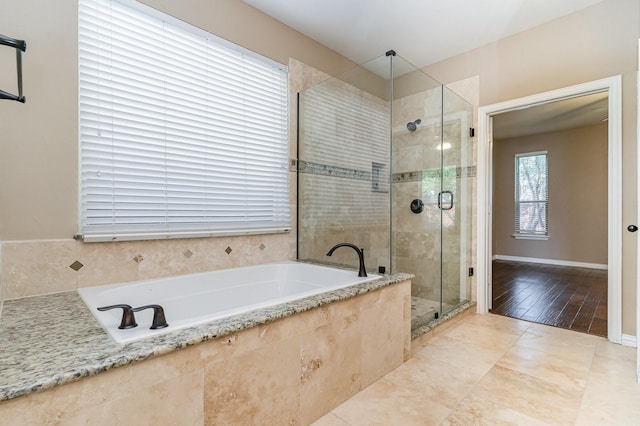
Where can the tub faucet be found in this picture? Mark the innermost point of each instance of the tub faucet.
(363, 271)
(128, 318)
(159, 320)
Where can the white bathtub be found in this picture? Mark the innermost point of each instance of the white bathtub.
(199, 298)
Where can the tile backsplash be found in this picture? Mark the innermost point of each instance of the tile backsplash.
(29, 268)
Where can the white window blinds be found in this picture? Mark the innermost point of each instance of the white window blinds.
(532, 194)
(181, 133)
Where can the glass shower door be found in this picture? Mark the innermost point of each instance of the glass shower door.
(455, 201)
(417, 187)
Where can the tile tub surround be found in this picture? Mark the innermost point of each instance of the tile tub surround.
(292, 363)
(32, 268)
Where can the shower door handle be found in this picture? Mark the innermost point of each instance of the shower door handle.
(450, 206)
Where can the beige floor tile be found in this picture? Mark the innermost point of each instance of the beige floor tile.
(387, 403)
(545, 401)
(499, 322)
(330, 420)
(559, 342)
(612, 395)
(614, 351)
(466, 356)
(477, 411)
(440, 382)
(564, 370)
(484, 335)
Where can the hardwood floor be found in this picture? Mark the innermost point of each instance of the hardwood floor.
(571, 298)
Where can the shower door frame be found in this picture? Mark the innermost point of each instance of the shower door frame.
(612, 85)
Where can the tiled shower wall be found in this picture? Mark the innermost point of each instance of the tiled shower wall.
(35, 267)
(344, 167)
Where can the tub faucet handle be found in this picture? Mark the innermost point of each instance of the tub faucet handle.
(159, 320)
(128, 319)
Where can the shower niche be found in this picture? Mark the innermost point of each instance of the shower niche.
(374, 144)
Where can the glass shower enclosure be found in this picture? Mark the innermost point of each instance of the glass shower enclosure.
(385, 162)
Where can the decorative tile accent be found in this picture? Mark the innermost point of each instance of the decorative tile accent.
(138, 258)
(326, 170)
(262, 247)
(188, 253)
(228, 250)
(76, 266)
(461, 172)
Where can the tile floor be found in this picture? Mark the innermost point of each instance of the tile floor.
(494, 370)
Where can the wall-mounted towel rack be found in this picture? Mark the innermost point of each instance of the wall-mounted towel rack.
(20, 46)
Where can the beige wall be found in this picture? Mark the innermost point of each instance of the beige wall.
(39, 149)
(39, 152)
(597, 42)
(577, 195)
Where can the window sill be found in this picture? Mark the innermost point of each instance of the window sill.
(530, 237)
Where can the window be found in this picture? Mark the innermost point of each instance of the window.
(532, 195)
(181, 133)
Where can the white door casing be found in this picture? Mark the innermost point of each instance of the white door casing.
(638, 223)
(612, 85)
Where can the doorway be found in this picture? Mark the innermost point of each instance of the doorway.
(549, 257)
(612, 86)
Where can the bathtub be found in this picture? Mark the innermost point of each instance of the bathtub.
(199, 298)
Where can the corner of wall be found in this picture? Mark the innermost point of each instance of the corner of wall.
(1, 282)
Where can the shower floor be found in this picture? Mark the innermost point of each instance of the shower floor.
(423, 310)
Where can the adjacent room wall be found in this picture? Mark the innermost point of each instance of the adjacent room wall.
(577, 214)
(596, 42)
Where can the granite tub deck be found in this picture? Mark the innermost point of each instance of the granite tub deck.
(287, 364)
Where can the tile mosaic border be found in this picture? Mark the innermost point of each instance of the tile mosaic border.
(461, 172)
(327, 170)
(343, 172)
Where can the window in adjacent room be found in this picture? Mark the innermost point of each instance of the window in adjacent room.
(181, 133)
(531, 195)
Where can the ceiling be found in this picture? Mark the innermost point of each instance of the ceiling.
(421, 31)
(424, 32)
(566, 114)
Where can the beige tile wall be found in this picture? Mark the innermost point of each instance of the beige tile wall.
(30, 268)
(291, 371)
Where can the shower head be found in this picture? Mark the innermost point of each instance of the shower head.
(413, 125)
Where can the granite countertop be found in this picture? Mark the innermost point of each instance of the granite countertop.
(54, 339)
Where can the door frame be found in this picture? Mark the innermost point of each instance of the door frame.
(612, 85)
(638, 222)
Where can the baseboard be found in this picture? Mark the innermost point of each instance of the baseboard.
(551, 262)
(629, 340)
